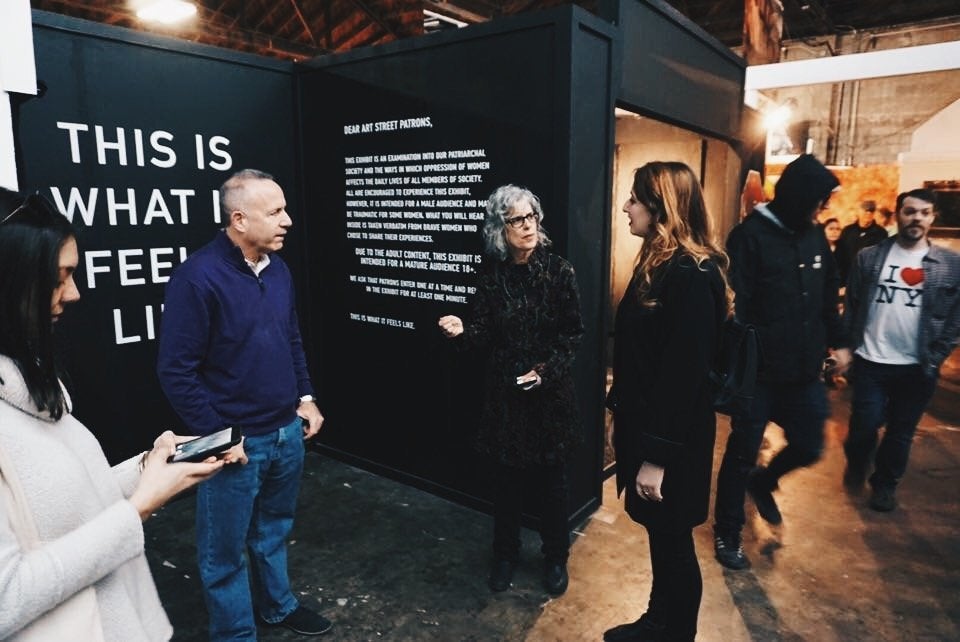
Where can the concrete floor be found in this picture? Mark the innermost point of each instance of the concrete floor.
(388, 562)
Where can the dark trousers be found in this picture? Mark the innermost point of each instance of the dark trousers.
(801, 410)
(549, 485)
(895, 395)
(677, 584)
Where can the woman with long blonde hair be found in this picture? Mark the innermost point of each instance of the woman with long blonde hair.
(666, 336)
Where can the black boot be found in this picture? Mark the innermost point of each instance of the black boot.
(761, 490)
(555, 577)
(642, 629)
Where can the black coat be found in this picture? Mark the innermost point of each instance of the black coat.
(852, 239)
(527, 317)
(663, 412)
(786, 285)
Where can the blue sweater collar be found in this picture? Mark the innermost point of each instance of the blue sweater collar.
(229, 251)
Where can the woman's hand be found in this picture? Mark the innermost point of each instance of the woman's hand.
(530, 380)
(161, 480)
(451, 326)
(649, 479)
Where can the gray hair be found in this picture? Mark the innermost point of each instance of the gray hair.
(231, 188)
(499, 205)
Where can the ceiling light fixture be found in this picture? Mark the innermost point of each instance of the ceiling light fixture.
(167, 12)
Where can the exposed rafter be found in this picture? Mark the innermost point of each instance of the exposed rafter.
(303, 28)
(373, 16)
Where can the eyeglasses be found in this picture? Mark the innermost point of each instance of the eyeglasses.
(517, 222)
(910, 211)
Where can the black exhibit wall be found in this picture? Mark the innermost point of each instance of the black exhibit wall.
(387, 156)
(402, 144)
(674, 71)
(131, 139)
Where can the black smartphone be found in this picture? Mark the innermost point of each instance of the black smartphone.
(209, 445)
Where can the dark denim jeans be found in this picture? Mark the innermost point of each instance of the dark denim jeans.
(895, 395)
(801, 410)
(249, 509)
(549, 482)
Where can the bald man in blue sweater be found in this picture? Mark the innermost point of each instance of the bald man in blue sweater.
(231, 355)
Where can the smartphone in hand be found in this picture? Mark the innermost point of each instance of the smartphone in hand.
(207, 446)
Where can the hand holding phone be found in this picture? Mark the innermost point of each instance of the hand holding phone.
(207, 446)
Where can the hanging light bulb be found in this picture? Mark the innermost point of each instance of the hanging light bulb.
(777, 118)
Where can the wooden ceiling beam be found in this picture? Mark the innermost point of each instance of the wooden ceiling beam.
(303, 21)
(265, 22)
(83, 10)
(343, 37)
(472, 12)
(284, 28)
(368, 35)
(247, 40)
(373, 16)
(221, 9)
(294, 27)
(328, 25)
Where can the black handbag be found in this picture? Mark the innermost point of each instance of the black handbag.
(734, 375)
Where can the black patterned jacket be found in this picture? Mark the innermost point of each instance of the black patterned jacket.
(527, 317)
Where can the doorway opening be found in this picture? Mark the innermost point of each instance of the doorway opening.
(638, 140)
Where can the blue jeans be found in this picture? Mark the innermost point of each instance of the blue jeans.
(801, 410)
(895, 395)
(249, 509)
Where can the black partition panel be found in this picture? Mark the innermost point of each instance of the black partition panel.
(402, 145)
(132, 137)
(387, 156)
(676, 72)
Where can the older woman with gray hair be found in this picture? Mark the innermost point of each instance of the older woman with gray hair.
(525, 315)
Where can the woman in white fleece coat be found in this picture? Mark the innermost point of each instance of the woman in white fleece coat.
(88, 515)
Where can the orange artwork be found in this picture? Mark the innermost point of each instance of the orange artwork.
(876, 183)
(752, 193)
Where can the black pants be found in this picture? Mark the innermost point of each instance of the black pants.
(677, 584)
(801, 410)
(548, 484)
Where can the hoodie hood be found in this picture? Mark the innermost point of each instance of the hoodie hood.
(803, 185)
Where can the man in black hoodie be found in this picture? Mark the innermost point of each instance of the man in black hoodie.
(785, 281)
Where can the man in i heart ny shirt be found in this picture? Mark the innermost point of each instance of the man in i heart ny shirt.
(902, 315)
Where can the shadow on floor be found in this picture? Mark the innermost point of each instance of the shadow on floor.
(382, 560)
(385, 561)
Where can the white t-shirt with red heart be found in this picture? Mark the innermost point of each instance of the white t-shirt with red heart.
(893, 320)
